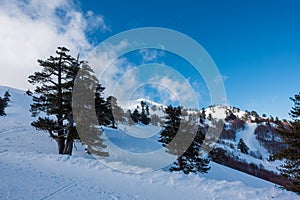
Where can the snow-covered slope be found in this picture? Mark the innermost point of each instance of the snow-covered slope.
(16, 133)
(249, 138)
(219, 111)
(258, 154)
(31, 169)
(50, 176)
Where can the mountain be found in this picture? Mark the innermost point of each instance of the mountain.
(131, 105)
(31, 168)
(258, 135)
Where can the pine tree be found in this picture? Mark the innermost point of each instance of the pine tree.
(53, 94)
(115, 112)
(243, 147)
(192, 160)
(101, 104)
(87, 98)
(277, 121)
(202, 116)
(7, 96)
(181, 139)
(3, 105)
(135, 116)
(53, 97)
(144, 118)
(209, 117)
(171, 125)
(291, 155)
(147, 110)
(229, 115)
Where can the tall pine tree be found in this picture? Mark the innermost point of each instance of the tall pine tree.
(144, 117)
(184, 141)
(193, 159)
(291, 155)
(102, 110)
(171, 125)
(7, 96)
(135, 116)
(115, 112)
(52, 96)
(89, 110)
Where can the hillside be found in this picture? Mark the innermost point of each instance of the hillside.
(31, 169)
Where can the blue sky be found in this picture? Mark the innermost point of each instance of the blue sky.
(255, 44)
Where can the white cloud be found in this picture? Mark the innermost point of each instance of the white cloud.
(111, 70)
(97, 22)
(175, 90)
(220, 78)
(32, 30)
(128, 86)
(150, 55)
(126, 81)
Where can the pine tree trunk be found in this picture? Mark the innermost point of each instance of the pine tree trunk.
(69, 140)
(65, 146)
(113, 124)
(60, 144)
(60, 140)
(179, 160)
(68, 147)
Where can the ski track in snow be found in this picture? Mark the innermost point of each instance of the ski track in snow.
(64, 188)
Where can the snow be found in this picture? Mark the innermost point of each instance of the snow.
(250, 139)
(140, 130)
(220, 172)
(240, 114)
(218, 112)
(30, 168)
(133, 104)
(144, 153)
(50, 176)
